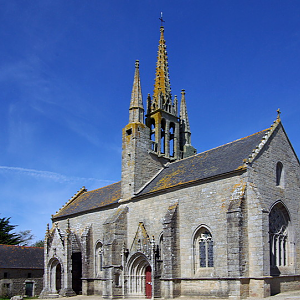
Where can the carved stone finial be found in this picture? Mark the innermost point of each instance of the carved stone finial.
(153, 242)
(47, 230)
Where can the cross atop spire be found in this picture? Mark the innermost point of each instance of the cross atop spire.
(161, 20)
(278, 114)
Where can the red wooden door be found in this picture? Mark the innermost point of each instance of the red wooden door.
(148, 283)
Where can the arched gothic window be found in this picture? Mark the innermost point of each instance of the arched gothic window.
(172, 134)
(99, 258)
(152, 135)
(279, 174)
(163, 136)
(160, 247)
(278, 229)
(203, 249)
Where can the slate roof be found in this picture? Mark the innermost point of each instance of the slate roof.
(214, 162)
(217, 161)
(92, 200)
(19, 257)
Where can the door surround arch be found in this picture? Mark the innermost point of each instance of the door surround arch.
(139, 276)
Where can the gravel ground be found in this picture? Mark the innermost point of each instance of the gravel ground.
(282, 296)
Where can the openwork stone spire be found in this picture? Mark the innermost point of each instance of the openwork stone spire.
(136, 109)
(185, 130)
(162, 97)
(184, 120)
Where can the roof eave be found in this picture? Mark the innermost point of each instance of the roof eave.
(76, 214)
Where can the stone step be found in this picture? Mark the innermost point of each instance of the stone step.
(51, 296)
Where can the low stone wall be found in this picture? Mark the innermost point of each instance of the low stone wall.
(283, 284)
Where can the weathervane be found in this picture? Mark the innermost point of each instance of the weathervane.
(161, 19)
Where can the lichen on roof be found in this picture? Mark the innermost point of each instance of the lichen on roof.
(214, 162)
(92, 200)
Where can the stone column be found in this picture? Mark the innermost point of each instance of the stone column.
(167, 139)
(67, 289)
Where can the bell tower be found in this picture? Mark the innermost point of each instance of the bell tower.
(162, 113)
(170, 135)
(164, 137)
(138, 165)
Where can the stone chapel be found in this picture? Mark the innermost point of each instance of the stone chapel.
(222, 223)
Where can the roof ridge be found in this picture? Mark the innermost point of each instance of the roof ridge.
(76, 195)
(79, 193)
(198, 154)
(104, 186)
(20, 246)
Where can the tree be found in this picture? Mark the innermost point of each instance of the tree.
(8, 237)
(39, 243)
(26, 237)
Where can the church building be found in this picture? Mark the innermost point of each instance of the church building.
(222, 223)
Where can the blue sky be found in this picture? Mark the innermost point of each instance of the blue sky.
(66, 73)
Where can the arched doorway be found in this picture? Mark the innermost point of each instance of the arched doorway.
(76, 273)
(139, 276)
(58, 277)
(55, 276)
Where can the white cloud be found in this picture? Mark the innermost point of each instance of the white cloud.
(49, 175)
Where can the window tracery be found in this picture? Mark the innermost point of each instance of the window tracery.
(278, 230)
(203, 249)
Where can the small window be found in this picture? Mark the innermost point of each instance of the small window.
(160, 248)
(99, 258)
(29, 275)
(117, 280)
(5, 275)
(279, 174)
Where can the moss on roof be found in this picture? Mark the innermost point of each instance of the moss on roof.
(92, 200)
(217, 161)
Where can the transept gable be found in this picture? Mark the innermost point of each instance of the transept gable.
(271, 133)
(264, 140)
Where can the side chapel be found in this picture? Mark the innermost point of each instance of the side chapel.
(222, 223)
